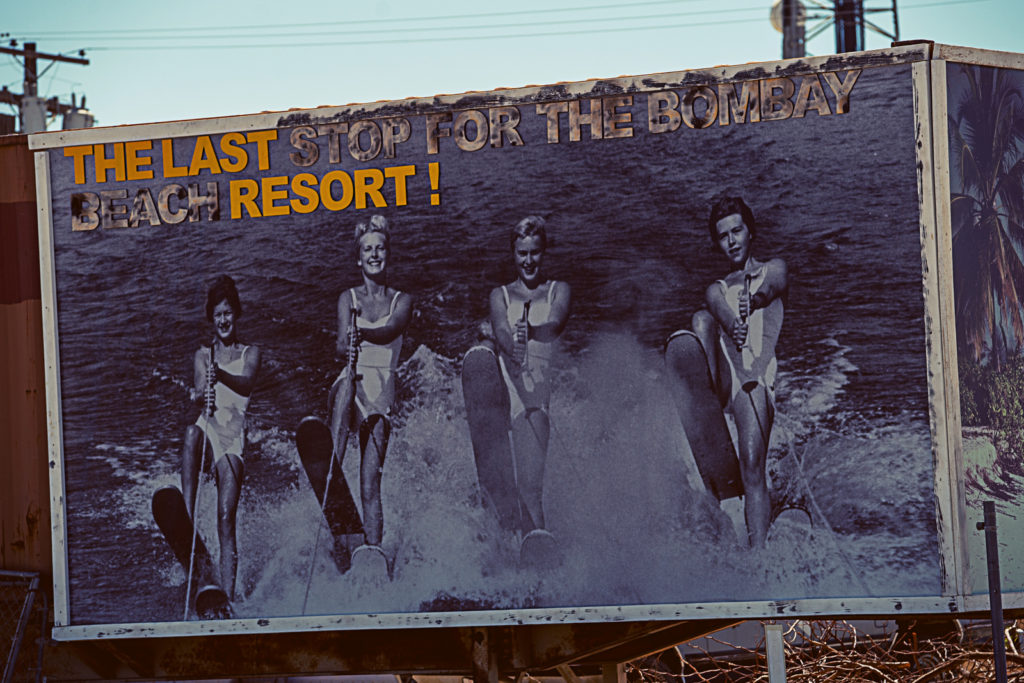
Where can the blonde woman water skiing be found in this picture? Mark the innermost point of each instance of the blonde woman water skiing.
(362, 397)
(508, 400)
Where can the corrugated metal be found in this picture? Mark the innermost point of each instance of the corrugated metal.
(24, 505)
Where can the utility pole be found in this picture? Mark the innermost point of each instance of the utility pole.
(789, 17)
(849, 23)
(33, 109)
(792, 29)
(848, 18)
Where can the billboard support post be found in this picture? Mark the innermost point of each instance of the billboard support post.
(485, 659)
(613, 673)
(994, 593)
(775, 653)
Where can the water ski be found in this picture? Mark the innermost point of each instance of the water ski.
(369, 565)
(316, 446)
(171, 515)
(487, 412)
(702, 416)
(790, 494)
(213, 603)
(540, 550)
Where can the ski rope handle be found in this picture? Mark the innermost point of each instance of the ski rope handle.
(353, 357)
(353, 344)
(525, 319)
(209, 407)
(746, 316)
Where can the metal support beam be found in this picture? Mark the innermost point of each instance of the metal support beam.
(485, 657)
(481, 653)
(613, 672)
(995, 594)
(567, 674)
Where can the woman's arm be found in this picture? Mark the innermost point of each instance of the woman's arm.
(200, 363)
(344, 311)
(243, 383)
(774, 286)
(559, 316)
(504, 336)
(395, 326)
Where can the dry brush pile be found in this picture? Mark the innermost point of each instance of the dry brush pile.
(836, 652)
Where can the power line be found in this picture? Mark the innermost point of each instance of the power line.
(936, 4)
(100, 46)
(276, 33)
(390, 20)
(432, 39)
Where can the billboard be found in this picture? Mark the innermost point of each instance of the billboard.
(651, 347)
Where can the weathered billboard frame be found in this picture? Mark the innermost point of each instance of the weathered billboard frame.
(943, 427)
(944, 56)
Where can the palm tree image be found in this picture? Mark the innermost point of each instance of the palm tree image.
(986, 132)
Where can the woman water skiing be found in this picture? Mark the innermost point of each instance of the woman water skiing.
(738, 331)
(527, 316)
(224, 374)
(362, 397)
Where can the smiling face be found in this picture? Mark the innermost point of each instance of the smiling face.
(733, 238)
(529, 255)
(373, 254)
(224, 321)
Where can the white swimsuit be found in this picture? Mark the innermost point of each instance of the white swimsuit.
(375, 391)
(225, 429)
(529, 387)
(756, 360)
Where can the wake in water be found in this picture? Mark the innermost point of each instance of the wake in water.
(622, 496)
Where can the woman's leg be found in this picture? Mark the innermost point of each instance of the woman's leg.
(530, 433)
(705, 327)
(374, 433)
(230, 470)
(191, 456)
(754, 415)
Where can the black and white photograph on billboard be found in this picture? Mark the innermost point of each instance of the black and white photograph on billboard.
(532, 349)
(986, 151)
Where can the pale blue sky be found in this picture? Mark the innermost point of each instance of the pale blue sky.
(189, 59)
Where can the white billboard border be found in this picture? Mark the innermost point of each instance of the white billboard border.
(930, 92)
(51, 370)
(951, 555)
(944, 240)
(740, 610)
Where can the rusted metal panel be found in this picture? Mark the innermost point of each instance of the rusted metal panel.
(19, 251)
(24, 508)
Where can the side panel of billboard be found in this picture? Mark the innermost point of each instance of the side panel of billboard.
(985, 128)
(562, 234)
